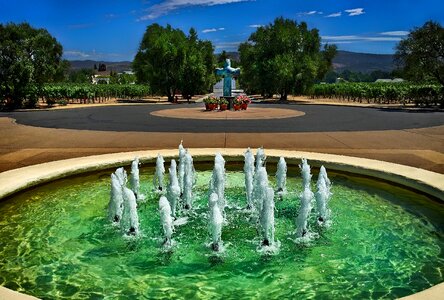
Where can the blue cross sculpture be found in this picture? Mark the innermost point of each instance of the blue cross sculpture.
(227, 72)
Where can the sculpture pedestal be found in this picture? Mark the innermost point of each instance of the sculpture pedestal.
(230, 101)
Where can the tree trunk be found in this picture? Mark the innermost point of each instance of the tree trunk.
(283, 96)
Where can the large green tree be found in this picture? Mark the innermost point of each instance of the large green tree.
(29, 57)
(170, 61)
(197, 72)
(421, 54)
(283, 57)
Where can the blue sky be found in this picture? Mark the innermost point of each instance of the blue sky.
(111, 30)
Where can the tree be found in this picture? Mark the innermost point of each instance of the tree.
(29, 57)
(159, 59)
(198, 67)
(283, 57)
(170, 61)
(81, 76)
(421, 54)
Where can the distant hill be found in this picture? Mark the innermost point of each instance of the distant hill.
(363, 62)
(110, 66)
(344, 60)
(233, 55)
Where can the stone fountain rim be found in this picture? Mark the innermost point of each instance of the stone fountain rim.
(428, 182)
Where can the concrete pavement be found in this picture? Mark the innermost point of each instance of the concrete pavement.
(22, 145)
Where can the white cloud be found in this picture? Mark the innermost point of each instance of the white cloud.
(213, 29)
(395, 33)
(309, 13)
(167, 6)
(355, 11)
(255, 25)
(357, 38)
(76, 54)
(334, 15)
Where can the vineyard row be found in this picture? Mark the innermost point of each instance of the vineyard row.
(419, 94)
(85, 93)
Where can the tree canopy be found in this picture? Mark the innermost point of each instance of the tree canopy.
(29, 57)
(421, 54)
(170, 61)
(283, 57)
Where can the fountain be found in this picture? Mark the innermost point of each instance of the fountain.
(173, 191)
(391, 233)
(217, 183)
(307, 197)
(181, 172)
(215, 222)
(115, 206)
(267, 217)
(158, 177)
(249, 175)
(323, 174)
(323, 195)
(260, 158)
(135, 181)
(305, 172)
(189, 181)
(281, 177)
(130, 219)
(166, 220)
(304, 212)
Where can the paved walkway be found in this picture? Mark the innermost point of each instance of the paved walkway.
(317, 118)
(22, 145)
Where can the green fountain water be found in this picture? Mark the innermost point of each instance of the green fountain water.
(56, 242)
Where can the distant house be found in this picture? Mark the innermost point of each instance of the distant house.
(101, 75)
(394, 80)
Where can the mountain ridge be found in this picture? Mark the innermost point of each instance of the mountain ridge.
(344, 60)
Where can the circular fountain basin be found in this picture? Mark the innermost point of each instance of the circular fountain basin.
(385, 241)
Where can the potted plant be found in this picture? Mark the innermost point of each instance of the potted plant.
(244, 101)
(237, 103)
(210, 103)
(223, 104)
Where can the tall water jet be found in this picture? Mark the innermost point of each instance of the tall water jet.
(323, 195)
(166, 220)
(181, 171)
(158, 175)
(130, 218)
(260, 158)
(266, 218)
(189, 180)
(323, 173)
(304, 212)
(249, 175)
(217, 183)
(281, 177)
(173, 189)
(115, 206)
(305, 172)
(215, 222)
(121, 176)
(135, 180)
(260, 186)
